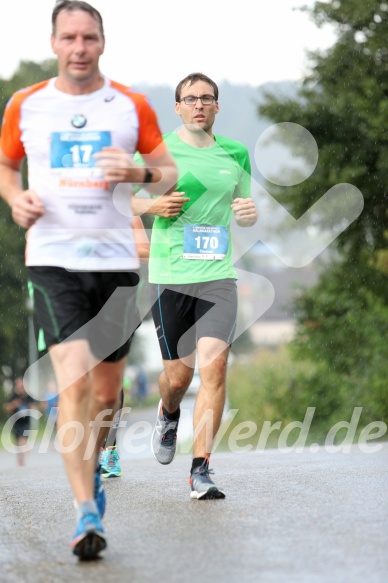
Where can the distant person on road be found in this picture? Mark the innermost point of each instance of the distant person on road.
(141, 384)
(79, 132)
(51, 402)
(194, 280)
(19, 403)
(51, 399)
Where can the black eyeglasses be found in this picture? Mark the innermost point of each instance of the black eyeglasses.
(192, 100)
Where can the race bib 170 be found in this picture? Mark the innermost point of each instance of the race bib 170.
(207, 242)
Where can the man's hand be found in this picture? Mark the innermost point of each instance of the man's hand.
(168, 205)
(118, 166)
(26, 208)
(245, 211)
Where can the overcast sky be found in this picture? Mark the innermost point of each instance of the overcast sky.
(155, 42)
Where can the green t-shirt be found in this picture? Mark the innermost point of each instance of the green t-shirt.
(196, 246)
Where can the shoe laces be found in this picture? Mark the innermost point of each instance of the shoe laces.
(169, 432)
(203, 471)
(112, 458)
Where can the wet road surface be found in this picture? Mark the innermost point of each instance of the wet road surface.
(312, 517)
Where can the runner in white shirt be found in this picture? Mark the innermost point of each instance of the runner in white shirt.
(79, 132)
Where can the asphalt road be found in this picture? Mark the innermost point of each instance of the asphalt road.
(312, 517)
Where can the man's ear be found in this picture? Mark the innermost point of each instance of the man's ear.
(103, 46)
(52, 41)
(177, 108)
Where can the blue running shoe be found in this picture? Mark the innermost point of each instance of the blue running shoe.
(109, 460)
(89, 539)
(99, 492)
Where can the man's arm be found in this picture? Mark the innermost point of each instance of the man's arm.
(167, 205)
(11, 406)
(141, 239)
(119, 166)
(25, 204)
(243, 207)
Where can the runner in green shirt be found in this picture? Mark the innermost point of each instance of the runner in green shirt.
(193, 277)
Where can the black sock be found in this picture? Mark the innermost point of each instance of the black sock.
(197, 461)
(172, 416)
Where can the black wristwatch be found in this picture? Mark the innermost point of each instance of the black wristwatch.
(148, 176)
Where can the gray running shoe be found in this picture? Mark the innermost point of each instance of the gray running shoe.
(163, 442)
(202, 486)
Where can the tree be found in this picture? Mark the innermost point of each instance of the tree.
(343, 320)
(343, 103)
(13, 284)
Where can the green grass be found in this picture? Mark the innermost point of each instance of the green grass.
(270, 387)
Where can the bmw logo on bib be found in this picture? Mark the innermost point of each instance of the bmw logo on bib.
(79, 121)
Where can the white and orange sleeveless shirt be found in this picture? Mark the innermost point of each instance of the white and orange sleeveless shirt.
(86, 225)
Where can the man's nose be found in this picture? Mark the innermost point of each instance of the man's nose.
(79, 45)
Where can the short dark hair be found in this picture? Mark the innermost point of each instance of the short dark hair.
(70, 6)
(194, 78)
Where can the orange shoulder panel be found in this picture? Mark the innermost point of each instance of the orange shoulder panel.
(150, 140)
(10, 139)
